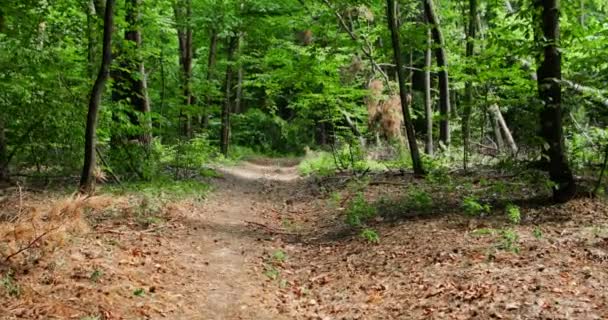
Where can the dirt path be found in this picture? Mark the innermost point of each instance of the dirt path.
(225, 248)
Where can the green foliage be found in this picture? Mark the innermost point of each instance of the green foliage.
(322, 164)
(513, 213)
(509, 240)
(359, 211)
(537, 233)
(483, 232)
(139, 292)
(279, 256)
(420, 199)
(10, 285)
(96, 275)
(473, 207)
(163, 189)
(370, 235)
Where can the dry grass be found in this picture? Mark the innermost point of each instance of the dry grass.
(39, 229)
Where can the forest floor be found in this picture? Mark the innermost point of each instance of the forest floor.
(266, 243)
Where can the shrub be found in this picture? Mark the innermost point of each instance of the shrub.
(359, 211)
(473, 207)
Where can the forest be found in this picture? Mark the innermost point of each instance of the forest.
(303, 159)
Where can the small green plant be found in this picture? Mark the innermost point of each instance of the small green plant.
(334, 199)
(359, 211)
(537, 233)
(370, 235)
(11, 287)
(96, 275)
(139, 292)
(271, 272)
(509, 241)
(420, 199)
(514, 214)
(473, 207)
(279, 256)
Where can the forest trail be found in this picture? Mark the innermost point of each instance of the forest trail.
(222, 241)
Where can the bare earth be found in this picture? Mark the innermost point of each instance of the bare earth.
(268, 244)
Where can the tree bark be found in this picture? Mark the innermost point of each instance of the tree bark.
(444, 86)
(500, 144)
(428, 100)
(4, 158)
(549, 92)
(210, 74)
(238, 101)
(411, 136)
(4, 173)
(87, 180)
(183, 16)
(225, 132)
(468, 104)
(503, 128)
(131, 79)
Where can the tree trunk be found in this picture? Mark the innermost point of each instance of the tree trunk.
(92, 37)
(131, 78)
(468, 104)
(501, 125)
(210, 72)
(183, 16)
(4, 174)
(550, 93)
(428, 99)
(87, 180)
(225, 133)
(411, 136)
(139, 98)
(238, 101)
(444, 86)
(500, 144)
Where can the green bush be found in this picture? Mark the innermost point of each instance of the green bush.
(359, 211)
(473, 207)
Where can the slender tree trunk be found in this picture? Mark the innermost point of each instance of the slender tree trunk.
(428, 99)
(550, 93)
(92, 37)
(444, 86)
(131, 77)
(225, 133)
(4, 173)
(87, 180)
(238, 101)
(4, 161)
(183, 16)
(210, 72)
(411, 136)
(139, 97)
(502, 127)
(500, 144)
(468, 105)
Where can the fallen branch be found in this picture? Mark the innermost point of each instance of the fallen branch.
(31, 244)
(376, 183)
(268, 228)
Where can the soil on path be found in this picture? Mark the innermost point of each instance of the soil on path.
(229, 247)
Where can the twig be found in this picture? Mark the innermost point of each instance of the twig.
(375, 183)
(105, 163)
(31, 244)
(366, 49)
(269, 229)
